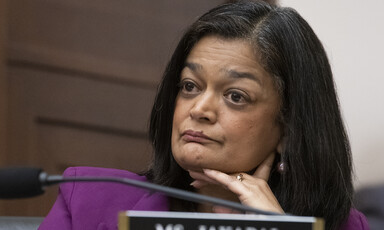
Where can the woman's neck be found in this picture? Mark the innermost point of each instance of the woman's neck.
(215, 191)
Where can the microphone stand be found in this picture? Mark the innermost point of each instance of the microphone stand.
(47, 180)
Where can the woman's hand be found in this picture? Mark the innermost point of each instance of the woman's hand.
(252, 190)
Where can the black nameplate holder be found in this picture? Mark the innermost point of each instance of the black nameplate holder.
(149, 220)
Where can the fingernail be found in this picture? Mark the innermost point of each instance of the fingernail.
(207, 170)
(193, 183)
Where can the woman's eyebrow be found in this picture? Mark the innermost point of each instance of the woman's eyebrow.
(195, 67)
(237, 74)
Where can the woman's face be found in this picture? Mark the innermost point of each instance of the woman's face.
(226, 110)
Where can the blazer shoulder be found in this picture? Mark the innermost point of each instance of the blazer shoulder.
(76, 193)
(356, 221)
(95, 204)
(97, 171)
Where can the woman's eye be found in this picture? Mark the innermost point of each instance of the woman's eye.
(235, 97)
(188, 87)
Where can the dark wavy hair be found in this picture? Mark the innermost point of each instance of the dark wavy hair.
(317, 151)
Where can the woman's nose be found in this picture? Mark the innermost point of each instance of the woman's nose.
(205, 108)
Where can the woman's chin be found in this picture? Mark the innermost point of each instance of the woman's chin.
(194, 166)
(198, 166)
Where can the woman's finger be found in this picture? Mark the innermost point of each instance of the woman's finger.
(199, 176)
(228, 181)
(251, 190)
(199, 184)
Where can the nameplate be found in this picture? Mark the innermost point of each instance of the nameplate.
(147, 220)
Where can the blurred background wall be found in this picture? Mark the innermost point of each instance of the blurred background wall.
(353, 34)
(78, 78)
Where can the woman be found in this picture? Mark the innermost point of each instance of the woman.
(248, 87)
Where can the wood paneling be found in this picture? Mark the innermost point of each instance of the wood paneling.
(3, 82)
(60, 121)
(118, 39)
(57, 121)
(78, 82)
(67, 97)
(68, 147)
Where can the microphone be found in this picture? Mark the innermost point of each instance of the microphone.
(20, 183)
(29, 182)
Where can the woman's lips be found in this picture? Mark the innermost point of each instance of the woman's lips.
(194, 136)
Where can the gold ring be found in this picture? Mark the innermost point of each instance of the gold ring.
(240, 177)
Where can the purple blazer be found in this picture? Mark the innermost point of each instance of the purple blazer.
(95, 205)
